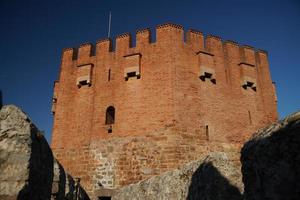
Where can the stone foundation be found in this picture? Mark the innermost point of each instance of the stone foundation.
(214, 177)
(118, 162)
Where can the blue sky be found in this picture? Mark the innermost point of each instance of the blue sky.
(33, 33)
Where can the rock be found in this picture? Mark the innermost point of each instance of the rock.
(215, 178)
(271, 161)
(28, 169)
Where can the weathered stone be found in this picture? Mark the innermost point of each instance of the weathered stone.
(214, 177)
(28, 169)
(271, 161)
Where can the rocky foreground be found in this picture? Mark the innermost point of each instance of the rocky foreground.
(214, 177)
(271, 161)
(270, 168)
(28, 170)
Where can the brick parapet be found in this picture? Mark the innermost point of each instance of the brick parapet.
(163, 27)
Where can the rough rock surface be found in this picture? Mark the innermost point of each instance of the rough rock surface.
(214, 177)
(271, 161)
(28, 169)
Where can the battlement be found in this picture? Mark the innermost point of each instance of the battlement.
(143, 30)
(216, 57)
(169, 25)
(167, 32)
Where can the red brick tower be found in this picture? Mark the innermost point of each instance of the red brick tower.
(125, 115)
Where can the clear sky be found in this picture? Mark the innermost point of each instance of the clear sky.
(33, 34)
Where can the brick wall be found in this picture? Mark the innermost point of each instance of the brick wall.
(166, 114)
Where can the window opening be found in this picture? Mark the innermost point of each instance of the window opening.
(250, 119)
(83, 82)
(249, 84)
(209, 76)
(110, 115)
(131, 75)
(207, 132)
(109, 71)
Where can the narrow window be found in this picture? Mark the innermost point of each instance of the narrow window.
(110, 115)
(207, 132)
(109, 71)
(249, 115)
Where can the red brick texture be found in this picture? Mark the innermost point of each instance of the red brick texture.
(165, 114)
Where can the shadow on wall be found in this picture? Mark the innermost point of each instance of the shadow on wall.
(44, 182)
(61, 182)
(209, 184)
(271, 163)
(39, 185)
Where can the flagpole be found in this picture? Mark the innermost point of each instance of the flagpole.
(109, 24)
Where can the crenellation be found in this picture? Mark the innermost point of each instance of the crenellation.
(213, 44)
(123, 43)
(195, 39)
(262, 59)
(85, 44)
(214, 37)
(143, 30)
(123, 35)
(232, 42)
(85, 51)
(143, 38)
(69, 54)
(232, 59)
(195, 31)
(247, 55)
(169, 33)
(262, 51)
(103, 47)
(104, 40)
(67, 49)
(167, 25)
(248, 47)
